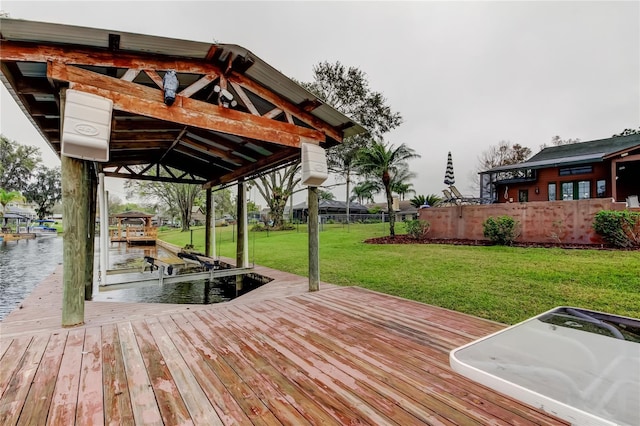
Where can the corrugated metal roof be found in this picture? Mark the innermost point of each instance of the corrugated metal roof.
(578, 159)
(260, 71)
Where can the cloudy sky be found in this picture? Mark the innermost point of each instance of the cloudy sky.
(464, 75)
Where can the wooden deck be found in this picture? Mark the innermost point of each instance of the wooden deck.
(343, 355)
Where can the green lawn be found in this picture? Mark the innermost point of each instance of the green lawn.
(505, 284)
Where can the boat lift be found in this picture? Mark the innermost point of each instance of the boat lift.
(162, 270)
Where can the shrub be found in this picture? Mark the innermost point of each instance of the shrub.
(417, 229)
(502, 230)
(618, 228)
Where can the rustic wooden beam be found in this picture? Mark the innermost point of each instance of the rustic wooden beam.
(153, 75)
(75, 207)
(20, 51)
(149, 102)
(286, 106)
(154, 178)
(269, 162)
(130, 75)
(195, 87)
(314, 240)
(241, 247)
(245, 99)
(207, 224)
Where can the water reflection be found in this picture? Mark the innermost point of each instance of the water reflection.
(23, 264)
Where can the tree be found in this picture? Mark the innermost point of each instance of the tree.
(276, 187)
(181, 196)
(421, 200)
(325, 195)
(347, 90)
(503, 154)
(364, 191)
(16, 164)
(45, 190)
(384, 162)
(557, 141)
(8, 196)
(627, 132)
(400, 185)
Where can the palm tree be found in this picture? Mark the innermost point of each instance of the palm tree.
(8, 196)
(421, 200)
(364, 191)
(399, 183)
(385, 162)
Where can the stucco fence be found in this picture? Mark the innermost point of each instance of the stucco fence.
(566, 222)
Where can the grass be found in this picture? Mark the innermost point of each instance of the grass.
(505, 284)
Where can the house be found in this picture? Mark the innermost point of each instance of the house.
(330, 210)
(605, 168)
(404, 210)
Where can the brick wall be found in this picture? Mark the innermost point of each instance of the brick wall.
(568, 222)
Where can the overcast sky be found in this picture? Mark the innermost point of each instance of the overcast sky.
(464, 75)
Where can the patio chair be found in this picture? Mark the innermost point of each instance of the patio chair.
(458, 196)
(632, 201)
(448, 197)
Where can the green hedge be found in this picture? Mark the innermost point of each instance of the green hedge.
(618, 228)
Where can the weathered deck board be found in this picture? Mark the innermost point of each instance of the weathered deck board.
(338, 356)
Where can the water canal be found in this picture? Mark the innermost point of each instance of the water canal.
(24, 263)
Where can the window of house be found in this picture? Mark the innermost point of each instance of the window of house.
(584, 190)
(580, 190)
(601, 188)
(523, 195)
(567, 190)
(579, 170)
(552, 191)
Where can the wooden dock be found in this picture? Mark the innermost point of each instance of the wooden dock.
(343, 355)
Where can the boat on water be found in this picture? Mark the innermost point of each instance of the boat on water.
(43, 228)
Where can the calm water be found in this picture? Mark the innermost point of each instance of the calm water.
(23, 264)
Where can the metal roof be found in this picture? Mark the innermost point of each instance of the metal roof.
(202, 154)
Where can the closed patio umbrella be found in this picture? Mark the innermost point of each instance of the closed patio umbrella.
(449, 179)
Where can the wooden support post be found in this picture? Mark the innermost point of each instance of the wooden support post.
(314, 240)
(91, 231)
(207, 225)
(240, 227)
(75, 196)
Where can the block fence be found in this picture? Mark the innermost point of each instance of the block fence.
(567, 222)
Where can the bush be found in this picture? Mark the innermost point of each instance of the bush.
(618, 228)
(417, 229)
(502, 230)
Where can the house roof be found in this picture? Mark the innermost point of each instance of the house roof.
(335, 205)
(132, 214)
(198, 139)
(577, 153)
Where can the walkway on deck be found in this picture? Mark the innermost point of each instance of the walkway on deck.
(343, 355)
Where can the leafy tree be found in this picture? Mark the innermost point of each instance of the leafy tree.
(557, 141)
(347, 90)
(8, 196)
(627, 132)
(364, 191)
(276, 188)
(503, 154)
(16, 164)
(45, 190)
(384, 162)
(400, 185)
(421, 200)
(325, 195)
(181, 196)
